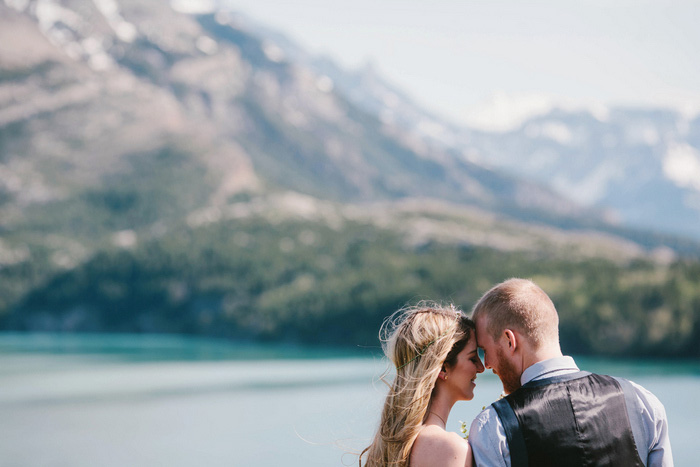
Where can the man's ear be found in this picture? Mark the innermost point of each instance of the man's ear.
(512, 340)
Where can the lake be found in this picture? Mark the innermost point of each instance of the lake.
(118, 400)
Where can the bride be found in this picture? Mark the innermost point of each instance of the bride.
(434, 351)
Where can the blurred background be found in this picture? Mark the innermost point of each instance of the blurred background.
(208, 208)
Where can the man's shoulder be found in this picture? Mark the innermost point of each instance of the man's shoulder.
(638, 389)
(649, 423)
(642, 396)
(488, 440)
(486, 427)
(487, 416)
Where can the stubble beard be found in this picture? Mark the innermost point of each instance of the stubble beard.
(510, 377)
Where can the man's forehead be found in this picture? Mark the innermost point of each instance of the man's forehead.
(480, 323)
(480, 331)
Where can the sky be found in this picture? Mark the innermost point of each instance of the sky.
(457, 56)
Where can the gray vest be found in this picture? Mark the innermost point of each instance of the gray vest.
(579, 419)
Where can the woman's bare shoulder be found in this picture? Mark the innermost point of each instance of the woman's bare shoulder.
(437, 447)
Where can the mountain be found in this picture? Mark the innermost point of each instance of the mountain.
(169, 171)
(642, 165)
(639, 166)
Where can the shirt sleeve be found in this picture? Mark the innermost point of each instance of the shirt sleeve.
(488, 440)
(652, 415)
(655, 414)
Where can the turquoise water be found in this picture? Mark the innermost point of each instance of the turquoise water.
(158, 400)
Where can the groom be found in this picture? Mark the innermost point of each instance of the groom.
(554, 414)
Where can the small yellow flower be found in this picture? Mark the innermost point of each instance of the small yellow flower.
(463, 429)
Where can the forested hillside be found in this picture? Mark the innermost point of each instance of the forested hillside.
(313, 282)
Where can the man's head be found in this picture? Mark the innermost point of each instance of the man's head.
(517, 326)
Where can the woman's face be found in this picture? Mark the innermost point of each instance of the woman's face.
(461, 376)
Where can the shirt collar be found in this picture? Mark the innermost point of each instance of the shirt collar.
(550, 367)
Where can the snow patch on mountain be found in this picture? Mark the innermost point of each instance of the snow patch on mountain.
(681, 164)
(19, 5)
(194, 7)
(592, 188)
(556, 131)
(65, 29)
(325, 84)
(273, 52)
(50, 13)
(124, 30)
(207, 45)
(504, 113)
(644, 133)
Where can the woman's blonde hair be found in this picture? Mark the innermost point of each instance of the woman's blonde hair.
(418, 340)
